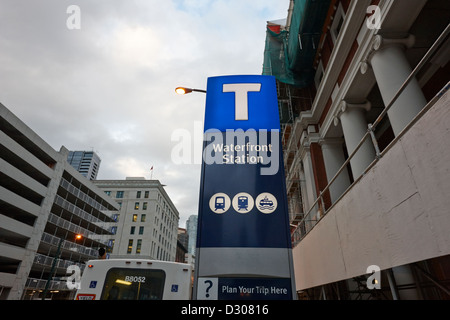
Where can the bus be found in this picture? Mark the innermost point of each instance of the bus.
(135, 279)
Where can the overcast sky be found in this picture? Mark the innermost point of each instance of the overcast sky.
(108, 85)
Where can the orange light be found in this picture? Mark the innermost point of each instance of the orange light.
(181, 90)
(90, 266)
(78, 236)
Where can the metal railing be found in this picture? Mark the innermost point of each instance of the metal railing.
(63, 203)
(39, 284)
(311, 218)
(67, 225)
(43, 260)
(81, 195)
(70, 246)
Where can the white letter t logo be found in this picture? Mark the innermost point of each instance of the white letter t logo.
(241, 101)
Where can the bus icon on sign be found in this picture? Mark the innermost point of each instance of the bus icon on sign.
(219, 203)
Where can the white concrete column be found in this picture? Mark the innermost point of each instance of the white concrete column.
(333, 157)
(391, 69)
(308, 189)
(308, 192)
(354, 126)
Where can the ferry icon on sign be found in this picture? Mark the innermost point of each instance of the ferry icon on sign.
(266, 203)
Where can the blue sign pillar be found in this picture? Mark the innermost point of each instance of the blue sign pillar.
(243, 237)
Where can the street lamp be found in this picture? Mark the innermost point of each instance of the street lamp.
(183, 90)
(55, 258)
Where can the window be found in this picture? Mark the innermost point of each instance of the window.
(144, 206)
(136, 205)
(134, 219)
(143, 216)
(141, 230)
(337, 23)
(133, 284)
(108, 193)
(119, 194)
(146, 194)
(110, 246)
(132, 230)
(130, 246)
(138, 246)
(319, 74)
(138, 194)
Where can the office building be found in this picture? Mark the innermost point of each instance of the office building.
(85, 162)
(364, 110)
(147, 223)
(51, 217)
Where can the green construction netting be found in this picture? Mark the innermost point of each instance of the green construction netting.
(276, 61)
(289, 56)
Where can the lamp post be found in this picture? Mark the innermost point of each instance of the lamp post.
(55, 259)
(183, 90)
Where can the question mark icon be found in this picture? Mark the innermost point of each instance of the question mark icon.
(209, 287)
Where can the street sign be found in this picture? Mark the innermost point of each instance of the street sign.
(243, 237)
(241, 102)
(244, 289)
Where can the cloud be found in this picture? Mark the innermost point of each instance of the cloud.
(109, 86)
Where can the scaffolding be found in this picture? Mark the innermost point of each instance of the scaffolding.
(289, 54)
(428, 280)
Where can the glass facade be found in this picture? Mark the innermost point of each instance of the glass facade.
(85, 162)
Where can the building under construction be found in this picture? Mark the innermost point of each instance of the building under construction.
(365, 118)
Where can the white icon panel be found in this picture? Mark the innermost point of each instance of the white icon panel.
(243, 203)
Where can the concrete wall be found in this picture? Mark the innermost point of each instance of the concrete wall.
(398, 213)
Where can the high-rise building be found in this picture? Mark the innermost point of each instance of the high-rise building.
(182, 244)
(191, 228)
(51, 217)
(183, 237)
(147, 224)
(364, 110)
(85, 162)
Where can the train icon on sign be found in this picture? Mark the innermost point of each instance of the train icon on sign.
(243, 203)
(219, 203)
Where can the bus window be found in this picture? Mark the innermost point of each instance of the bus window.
(133, 284)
